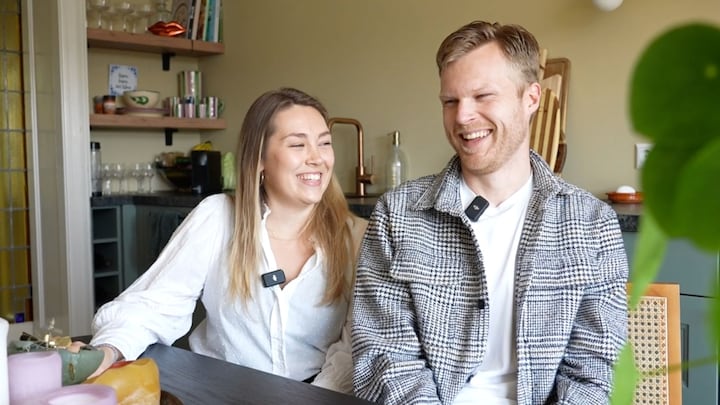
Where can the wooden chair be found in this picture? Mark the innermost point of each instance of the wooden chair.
(548, 126)
(654, 332)
(545, 129)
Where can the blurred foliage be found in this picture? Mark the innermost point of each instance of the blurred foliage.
(674, 102)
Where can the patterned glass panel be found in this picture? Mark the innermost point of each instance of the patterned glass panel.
(11, 31)
(15, 276)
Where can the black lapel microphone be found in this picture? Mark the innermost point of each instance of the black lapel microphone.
(476, 208)
(273, 278)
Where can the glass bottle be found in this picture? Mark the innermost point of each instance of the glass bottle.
(396, 164)
(95, 169)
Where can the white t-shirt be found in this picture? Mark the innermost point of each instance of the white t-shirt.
(498, 233)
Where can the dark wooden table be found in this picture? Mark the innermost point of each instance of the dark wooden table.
(201, 380)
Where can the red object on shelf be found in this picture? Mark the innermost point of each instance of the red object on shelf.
(169, 29)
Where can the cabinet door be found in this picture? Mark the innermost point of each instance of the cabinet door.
(147, 230)
(693, 269)
(700, 383)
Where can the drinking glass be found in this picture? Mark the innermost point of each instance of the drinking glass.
(106, 175)
(138, 174)
(149, 173)
(161, 11)
(123, 9)
(96, 9)
(142, 14)
(120, 173)
(110, 19)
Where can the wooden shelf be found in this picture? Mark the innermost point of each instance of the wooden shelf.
(130, 121)
(100, 38)
(167, 47)
(169, 124)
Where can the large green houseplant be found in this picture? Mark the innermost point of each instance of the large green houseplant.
(675, 102)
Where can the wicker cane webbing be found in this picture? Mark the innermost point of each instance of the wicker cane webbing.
(648, 333)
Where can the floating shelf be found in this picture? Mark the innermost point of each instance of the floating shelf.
(169, 124)
(131, 121)
(167, 47)
(100, 38)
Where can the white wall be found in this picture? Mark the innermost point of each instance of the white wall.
(374, 60)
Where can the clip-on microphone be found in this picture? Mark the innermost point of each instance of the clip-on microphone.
(273, 278)
(476, 208)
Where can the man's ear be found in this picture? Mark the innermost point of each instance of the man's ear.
(532, 97)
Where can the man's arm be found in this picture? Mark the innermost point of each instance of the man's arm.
(600, 329)
(389, 366)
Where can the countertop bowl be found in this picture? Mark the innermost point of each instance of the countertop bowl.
(178, 177)
(626, 198)
(141, 99)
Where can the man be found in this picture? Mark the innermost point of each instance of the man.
(522, 302)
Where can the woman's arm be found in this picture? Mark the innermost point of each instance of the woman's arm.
(158, 306)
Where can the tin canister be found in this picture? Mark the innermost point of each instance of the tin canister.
(190, 85)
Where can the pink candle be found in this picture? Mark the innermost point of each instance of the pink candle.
(79, 394)
(3, 362)
(33, 374)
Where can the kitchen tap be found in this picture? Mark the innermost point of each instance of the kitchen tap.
(362, 177)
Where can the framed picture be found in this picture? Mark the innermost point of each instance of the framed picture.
(122, 78)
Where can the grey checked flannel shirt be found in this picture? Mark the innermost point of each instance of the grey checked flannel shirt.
(420, 310)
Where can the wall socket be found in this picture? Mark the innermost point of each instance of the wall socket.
(641, 152)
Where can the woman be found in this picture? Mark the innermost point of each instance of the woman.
(273, 265)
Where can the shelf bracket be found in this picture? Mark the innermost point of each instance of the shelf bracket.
(169, 135)
(166, 60)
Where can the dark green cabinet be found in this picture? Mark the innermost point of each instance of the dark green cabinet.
(107, 253)
(127, 239)
(697, 274)
(147, 229)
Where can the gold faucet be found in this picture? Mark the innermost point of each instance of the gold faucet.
(362, 177)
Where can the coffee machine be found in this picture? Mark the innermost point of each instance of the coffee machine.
(206, 172)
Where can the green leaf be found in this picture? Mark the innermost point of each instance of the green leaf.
(660, 179)
(649, 254)
(674, 102)
(675, 83)
(698, 198)
(625, 379)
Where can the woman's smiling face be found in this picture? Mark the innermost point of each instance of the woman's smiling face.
(298, 159)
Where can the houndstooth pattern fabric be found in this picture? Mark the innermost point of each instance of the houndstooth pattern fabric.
(421, 314)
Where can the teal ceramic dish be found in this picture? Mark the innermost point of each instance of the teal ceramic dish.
(76, 367)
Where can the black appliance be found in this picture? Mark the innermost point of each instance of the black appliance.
(206, 172)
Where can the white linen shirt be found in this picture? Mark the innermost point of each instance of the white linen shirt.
(284, 331)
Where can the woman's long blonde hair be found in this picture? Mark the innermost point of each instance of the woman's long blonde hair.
(330, 221)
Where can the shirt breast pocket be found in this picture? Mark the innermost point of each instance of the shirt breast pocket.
(444, 290)
(417, 266)
(565, 269)
(559, 283)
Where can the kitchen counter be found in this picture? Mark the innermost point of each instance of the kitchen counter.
(628, 214)
(159, 198)
(361, 206)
